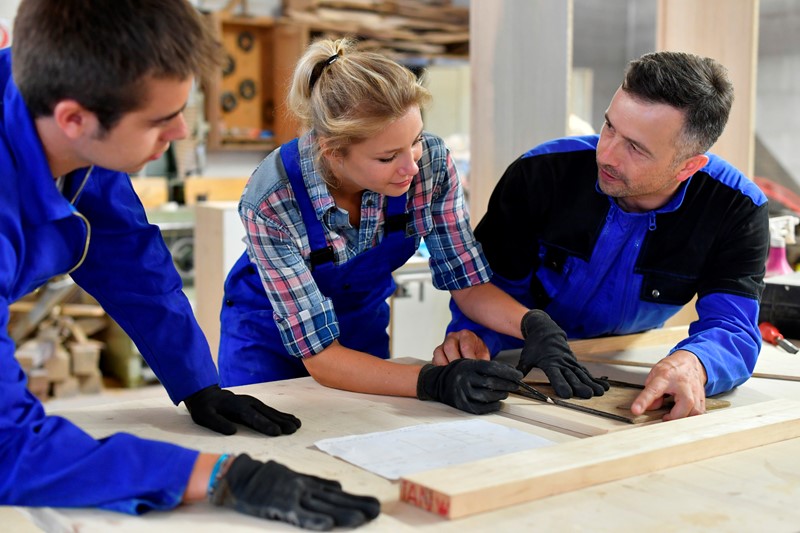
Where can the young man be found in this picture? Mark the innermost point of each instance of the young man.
(613, 234)
(98, 90)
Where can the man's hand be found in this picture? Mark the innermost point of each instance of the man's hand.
(271, 490)
(463, 344)
(218, 409)
(467, 384)
(546, 347)
(682, 375)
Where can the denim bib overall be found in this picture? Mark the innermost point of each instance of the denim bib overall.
(251, 349)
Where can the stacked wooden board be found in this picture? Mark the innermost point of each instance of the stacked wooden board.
(52, 334)
(397, 28)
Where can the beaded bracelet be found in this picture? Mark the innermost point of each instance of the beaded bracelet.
(218, 472)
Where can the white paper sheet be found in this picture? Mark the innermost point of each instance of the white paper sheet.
(392, 454)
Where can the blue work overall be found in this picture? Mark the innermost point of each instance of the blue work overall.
(251, 350)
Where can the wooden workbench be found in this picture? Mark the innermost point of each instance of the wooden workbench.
(754, 490)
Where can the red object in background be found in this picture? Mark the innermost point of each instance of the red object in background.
(5, 33)
(778, 193)
(771, 335)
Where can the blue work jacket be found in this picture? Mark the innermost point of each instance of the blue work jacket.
(97, 231)
(557, 243)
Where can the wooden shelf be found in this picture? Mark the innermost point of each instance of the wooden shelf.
(249, 93)
(244, 100)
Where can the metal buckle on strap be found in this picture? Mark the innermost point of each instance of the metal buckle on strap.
(395, 223)
(323, 255)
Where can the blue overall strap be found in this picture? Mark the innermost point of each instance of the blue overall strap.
(396, 216)
(321, 251)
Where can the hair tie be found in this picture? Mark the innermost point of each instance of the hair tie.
(319, 68)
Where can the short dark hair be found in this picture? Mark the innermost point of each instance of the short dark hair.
(698, 86)
(100, 52)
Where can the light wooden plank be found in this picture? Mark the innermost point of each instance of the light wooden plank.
(82, 310)
(560, 418)
(615, 403)
(629, 350)
(526, 48)
(290, 42)
(53, 294)
(625, 350)
(767, 368)
(683, 26)
(684, 317)
(218, 235)
(775, 363)
(212, 189)
(654, 337)
(19, 520)
(579, 423)
(498, 482)
(152, 191)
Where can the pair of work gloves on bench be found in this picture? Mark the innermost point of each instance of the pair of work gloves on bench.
(477, 386)
(271, 490)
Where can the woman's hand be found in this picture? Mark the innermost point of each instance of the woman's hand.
(462, 344)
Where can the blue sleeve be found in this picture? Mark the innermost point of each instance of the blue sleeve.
(48, 461)
(129, 270)
(496, 342)
(726, 339)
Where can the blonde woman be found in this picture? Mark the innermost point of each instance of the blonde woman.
(330, 216)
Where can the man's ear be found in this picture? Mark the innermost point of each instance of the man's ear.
(690, 166)
(73, 119)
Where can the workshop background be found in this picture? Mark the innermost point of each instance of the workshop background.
(69, 346)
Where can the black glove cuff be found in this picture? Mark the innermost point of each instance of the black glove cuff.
(422, 394)
(202, 393)
(524, 320)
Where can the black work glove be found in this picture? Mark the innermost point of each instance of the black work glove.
(271, 490)
(546, 347)
(472, 385)
(217, 409)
